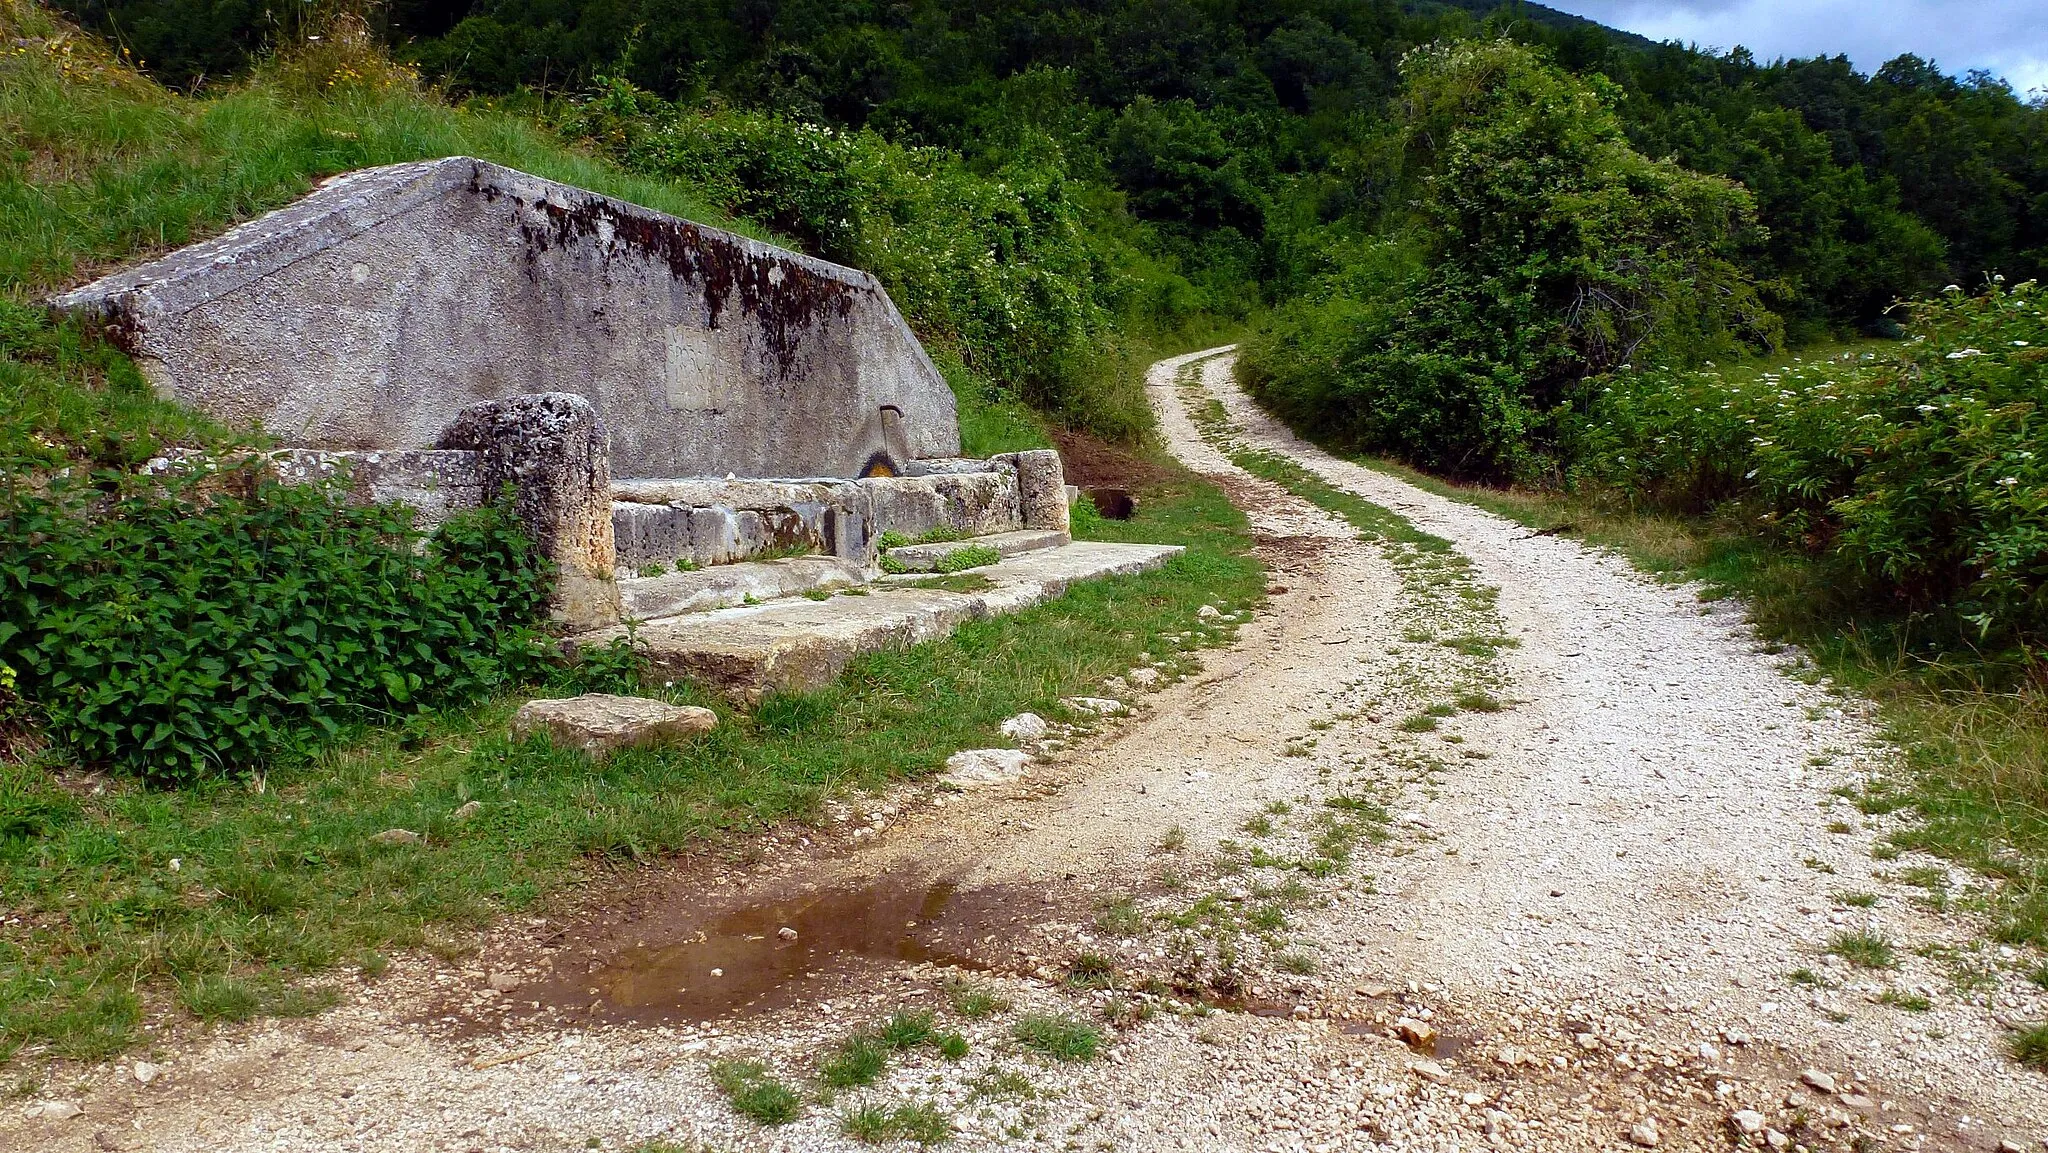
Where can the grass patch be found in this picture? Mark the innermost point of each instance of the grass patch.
(906, 1029)
(859, 1060)
(921, 1122)
(1900, 999)
(974, 1000)
(1864, 950)
(752, 1092)
(1060, 1037)
(286, 880)
(2029, 1046)
(1120, 918)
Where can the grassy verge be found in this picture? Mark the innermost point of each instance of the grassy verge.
(228, 900)
(1973, 728)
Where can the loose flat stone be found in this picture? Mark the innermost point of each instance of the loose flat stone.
(599, 723)
(986, 766)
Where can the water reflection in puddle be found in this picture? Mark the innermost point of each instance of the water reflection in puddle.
(741, 959)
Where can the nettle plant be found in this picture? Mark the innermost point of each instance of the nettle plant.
(1924, 465)
(184, 627)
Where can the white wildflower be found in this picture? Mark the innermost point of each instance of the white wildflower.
(1965, 353)
(1923, 409)
(2009, 481)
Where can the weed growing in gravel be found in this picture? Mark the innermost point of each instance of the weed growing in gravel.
(1419, 723)
(951, 1046)
(2039, 975)
(1296, 962)
(1911, 1002)
(1173, 840)
(1120, 918)
(1061, 1037)
(859, 1060)
(1269, 917)
(1856, 900)
(1864, 950)
(974, 1000)
(754, 1093)
(906, 1029)
(1091, 971)
(1804, 976)
(1259, 826)
(999, 1084)
(2030, 1046)
(921, 1122)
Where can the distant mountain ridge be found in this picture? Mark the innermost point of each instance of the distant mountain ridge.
(1550, 17)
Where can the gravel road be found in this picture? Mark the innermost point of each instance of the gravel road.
(1481, 840)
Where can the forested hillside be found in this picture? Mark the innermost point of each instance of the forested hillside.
(1238, 131)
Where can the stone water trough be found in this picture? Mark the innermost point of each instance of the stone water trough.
(710, 436)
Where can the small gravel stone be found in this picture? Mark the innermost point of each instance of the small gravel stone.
(1645, 1133)
(1815, 1079)
(1748, 1121)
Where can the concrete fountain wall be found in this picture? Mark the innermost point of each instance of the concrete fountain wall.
(371, 313)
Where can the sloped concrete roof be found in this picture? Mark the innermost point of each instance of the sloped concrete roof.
(370, 312)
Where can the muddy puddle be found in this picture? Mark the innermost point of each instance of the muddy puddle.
(786, 950)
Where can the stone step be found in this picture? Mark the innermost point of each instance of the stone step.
(926, 557)
(722, 586)
(800, 644)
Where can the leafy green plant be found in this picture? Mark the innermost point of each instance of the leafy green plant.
(210, 622)
(1916, 466)
(967, 557)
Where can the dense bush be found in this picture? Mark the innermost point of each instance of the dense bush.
(1545, 250)
(997, 269)
(184, 627)
(1923, 467)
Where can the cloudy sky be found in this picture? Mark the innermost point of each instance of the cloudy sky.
(2006, 37)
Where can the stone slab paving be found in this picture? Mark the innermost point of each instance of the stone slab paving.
(803, 644)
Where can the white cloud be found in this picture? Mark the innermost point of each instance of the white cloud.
(2008, 38)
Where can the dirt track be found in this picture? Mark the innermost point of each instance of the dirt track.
(1594, 897)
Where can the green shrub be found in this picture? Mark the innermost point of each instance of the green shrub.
(1921, 467)
(1535, 248)
(999, 272)
(182, 627)
(967, 557)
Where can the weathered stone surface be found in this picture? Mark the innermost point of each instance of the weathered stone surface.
(1041, 489)
(435, 482)
(601, 723)
(985, 766)
(974, 503)
(1025, 728)
(551, 448)
(804, 644)
(732, 584)
(709, 520)
(370, 313)
(926, 557)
